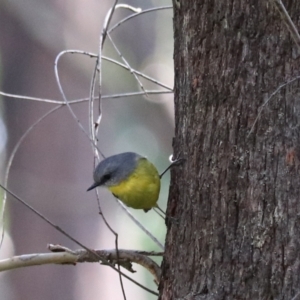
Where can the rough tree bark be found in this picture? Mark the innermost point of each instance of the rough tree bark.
(236, 200)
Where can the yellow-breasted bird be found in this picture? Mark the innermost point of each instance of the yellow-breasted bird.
(131, 178)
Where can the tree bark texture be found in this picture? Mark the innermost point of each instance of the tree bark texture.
(235, 202)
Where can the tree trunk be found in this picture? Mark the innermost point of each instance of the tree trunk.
(234, 203)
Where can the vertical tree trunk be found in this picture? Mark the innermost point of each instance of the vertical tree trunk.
(236, 200)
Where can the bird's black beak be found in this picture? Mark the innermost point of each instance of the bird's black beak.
(95, 184)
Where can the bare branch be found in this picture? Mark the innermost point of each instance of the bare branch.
(63, 255)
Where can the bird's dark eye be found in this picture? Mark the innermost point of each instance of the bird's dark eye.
(106, 177)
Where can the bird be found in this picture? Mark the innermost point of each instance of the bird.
(131, 178)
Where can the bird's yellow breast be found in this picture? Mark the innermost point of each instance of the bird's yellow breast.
(141, 189)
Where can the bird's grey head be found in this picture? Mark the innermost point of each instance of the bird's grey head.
(115, 169)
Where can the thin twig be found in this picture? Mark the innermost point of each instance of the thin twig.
(267, 101)
(288, 21)
(98, 67)
(127, 64)
(95, 126)
(153, 92)
(296, 296)
(10, 160)
(66, 100)
(82, 100)
(138, 14)
(116, 238)
(58, 57)
(137, 73)
(31, 98)
(129, 214)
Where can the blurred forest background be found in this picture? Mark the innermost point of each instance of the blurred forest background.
(54, 165)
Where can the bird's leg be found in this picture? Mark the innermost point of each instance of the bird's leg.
(159, 209)
(172, 219)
